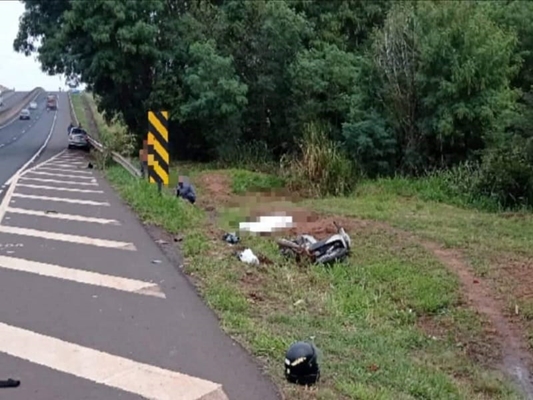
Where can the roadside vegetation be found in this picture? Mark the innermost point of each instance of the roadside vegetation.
(411, 123)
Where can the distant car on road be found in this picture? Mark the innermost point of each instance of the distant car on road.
(77, 139)
(33, 105)
(25, 114)
(51, 102)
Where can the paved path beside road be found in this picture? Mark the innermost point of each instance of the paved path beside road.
(90, 308)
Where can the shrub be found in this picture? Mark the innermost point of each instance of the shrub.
(321, 166)
(506, 174)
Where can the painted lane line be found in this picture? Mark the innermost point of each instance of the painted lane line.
(67, 217)
(61, 189)
(144, 380)
(81, 276)
(68, 170)
(36, 172)
(41, 163)
(62, 165)
(60, 199)
(37, 154)
(24, 178)
(60, 175)
(12, 182)
(62, 237)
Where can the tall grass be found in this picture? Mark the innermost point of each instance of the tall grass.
(321, 167)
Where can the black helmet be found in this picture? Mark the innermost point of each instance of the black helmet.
(301, 364)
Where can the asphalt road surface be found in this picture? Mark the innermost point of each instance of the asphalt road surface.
(90, 308)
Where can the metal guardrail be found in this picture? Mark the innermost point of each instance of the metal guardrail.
(118, 158)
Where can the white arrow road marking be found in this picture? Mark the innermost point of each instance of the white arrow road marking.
(144, 380)
(62, 237)
(60, 175)
(25, 178)
(61, 189)
(60, 199)
(80, 276)
(68, 217)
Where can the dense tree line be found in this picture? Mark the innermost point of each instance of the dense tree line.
(398, 86)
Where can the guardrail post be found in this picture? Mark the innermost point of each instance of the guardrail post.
(157, 148)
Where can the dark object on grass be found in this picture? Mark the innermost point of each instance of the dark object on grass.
(9, 383)
(327, 251)
(231, 238)
(301, 364)
(186, 191)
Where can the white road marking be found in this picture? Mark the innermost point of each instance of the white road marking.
(68, 170)
(60, 199)
(62, 237)
(37, 153)
(68, 217)
(63, 165)
(61, 175)
(80, 276)
(61, 189)
(12, 182)
(24, 178)
(106, 369)
(41, 163)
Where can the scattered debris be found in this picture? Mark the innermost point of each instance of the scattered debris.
(161, 241)
(90, 166)
(178, 238)
(330, 250)
(247, 256)
(156, 261)
(50, 212)
(231, 238)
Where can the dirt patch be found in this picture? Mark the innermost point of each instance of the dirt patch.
(306, 221)
(515, 357)
(217, 186)
(516, 274)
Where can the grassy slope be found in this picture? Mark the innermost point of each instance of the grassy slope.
(389, 322)
(366, 316)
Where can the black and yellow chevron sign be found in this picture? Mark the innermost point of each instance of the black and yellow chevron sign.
(158, 158)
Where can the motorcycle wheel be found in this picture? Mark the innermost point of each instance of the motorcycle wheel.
(335, 256)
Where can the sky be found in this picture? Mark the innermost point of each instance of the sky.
(16, 70)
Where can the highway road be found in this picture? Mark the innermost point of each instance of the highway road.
(90, 308)
(20, 140)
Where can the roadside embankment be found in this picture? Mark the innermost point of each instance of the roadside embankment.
(9, 113)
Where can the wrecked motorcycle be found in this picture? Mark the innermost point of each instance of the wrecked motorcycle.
(330, 250)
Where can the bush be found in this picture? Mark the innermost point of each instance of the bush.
(506, 174)
(501, 180)
(321, 167)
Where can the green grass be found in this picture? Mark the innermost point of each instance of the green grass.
(365, 315)
(77, 104)
(243, 181)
